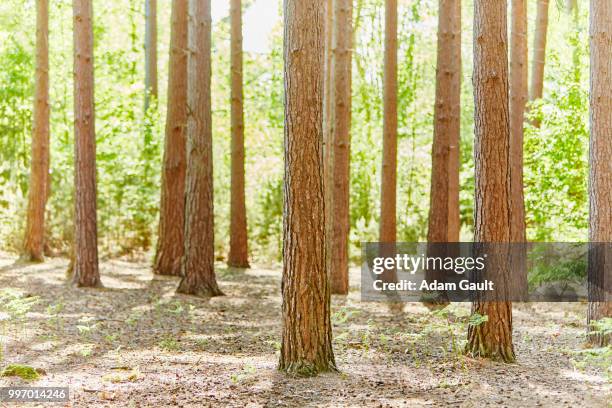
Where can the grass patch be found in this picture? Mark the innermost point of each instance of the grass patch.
(22, 371)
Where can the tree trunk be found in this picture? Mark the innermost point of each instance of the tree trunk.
(238, 253)
(492, 339)
(600, 179)
(199, 258)
(170, 244)
(388, 197)
(39, 176)
(339, 180)
(518, 102)
(150, 52)
(444, 201)
(307, 335)
(85, 271)
(539, 52)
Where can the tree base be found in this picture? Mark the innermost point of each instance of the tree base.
(30, 257)
(167, 268)
(477, 347)
(307, 368)
(238, 264)
(599, 339)
(204, 291)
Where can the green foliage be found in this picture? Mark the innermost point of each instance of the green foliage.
(22, 371)
(130, 141)
(477, 319)
(556, 154)
(15, 304)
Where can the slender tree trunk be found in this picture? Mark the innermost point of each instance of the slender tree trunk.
(454, 160)
(199, 258)
(238, 253)
(39, 174)
(85, 272)
(518, 102)
(539, 52)
(444, 201)
(150, 52)
(492, 339)
(170, 243)
(600, 179)
(388, 204)
(339, 223)
(306, 347)
(328, 134)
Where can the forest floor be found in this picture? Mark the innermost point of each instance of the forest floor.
(136, 343)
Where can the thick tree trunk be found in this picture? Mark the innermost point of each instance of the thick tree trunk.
(150, 52)
(307, 335)
(199, 258)
(539, 51)
(388, 196)
(492, 339)
(339, 180)
(170, 243)
(444, 201)
(518, 101)
(33, 248)
(600, 179)
(238, 253)
(85, 271)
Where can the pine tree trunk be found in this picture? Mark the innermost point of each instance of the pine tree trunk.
(85, 271)
(444, 199)
(454, 160)
(339, 180)
(150, 52)
(328, 134)
(306, 347)
(39, 176)
(170, 243)
(238, 253)
(447, 127)
(388, 197)
(199, 258)
(492, 339)
(518, 102)
(539, 52)
(600, 179)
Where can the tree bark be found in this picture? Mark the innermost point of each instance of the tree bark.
(600, 178)
(170, 243)
(444, 201)
(492, 339)
(518, 102)
(339, 180)
(85, 272)
(199, 258)
(539, 52)
(33, 248)
(150, 52)
(388, 197)
(238, 253)
(444, 198)
(306, 347)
